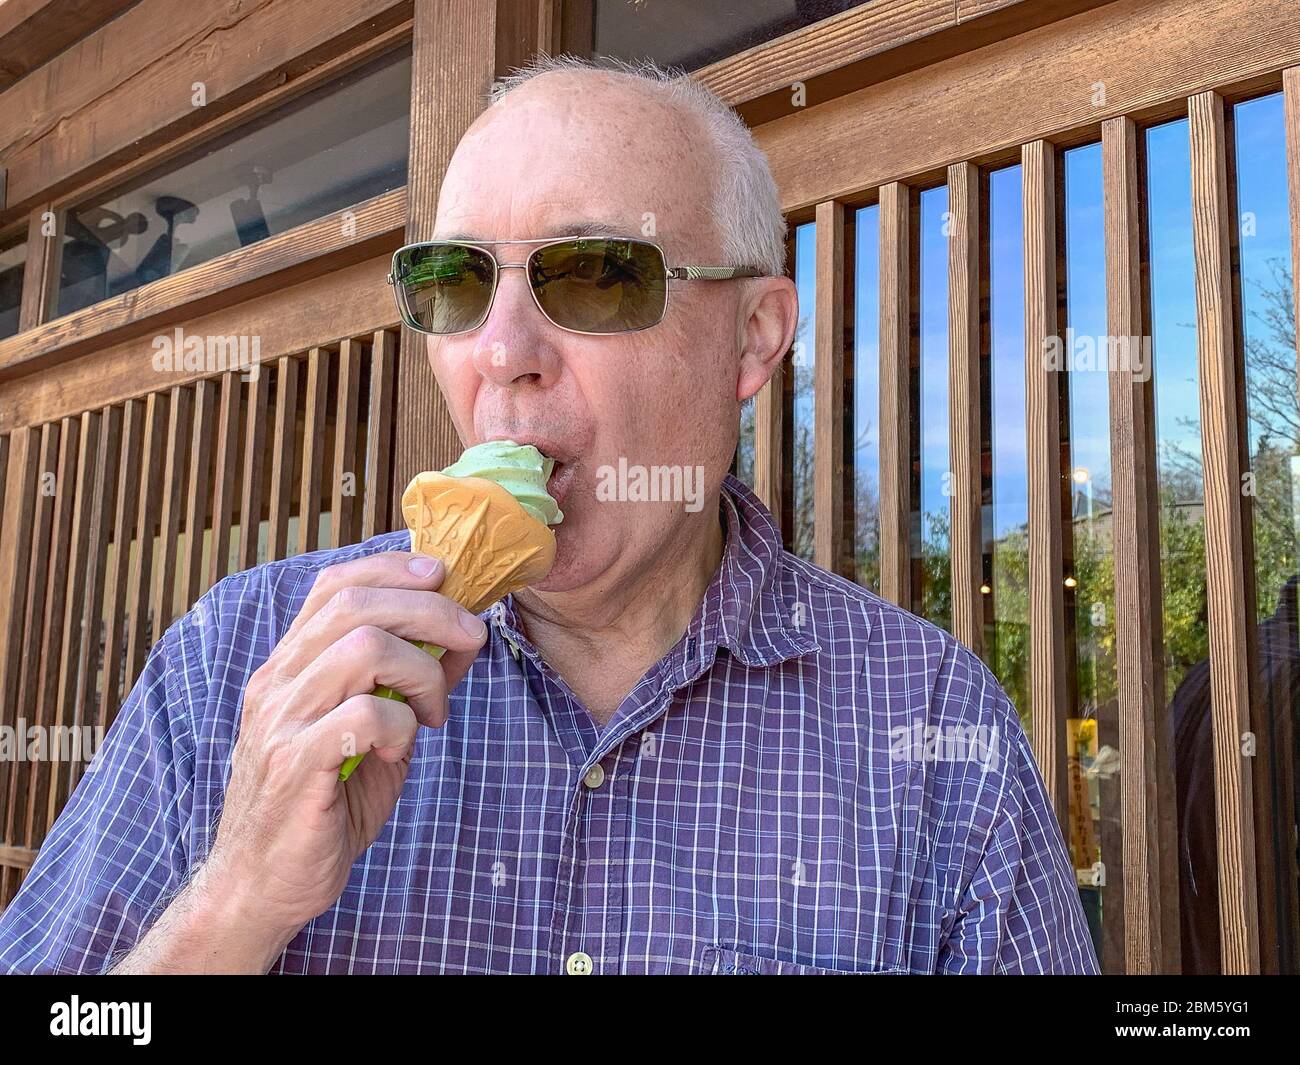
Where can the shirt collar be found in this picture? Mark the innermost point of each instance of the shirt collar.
(745, 607)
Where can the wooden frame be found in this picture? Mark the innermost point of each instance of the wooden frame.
(1150, 868)
(965, 270)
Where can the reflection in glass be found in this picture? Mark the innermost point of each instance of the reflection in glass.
(688, 34)
(1180, 485)
(1093, 724)
(324, 152)
(931, 490)
(865, 459)
(12, 259)
(801, 366)
(1273, 461)
(1006, 518)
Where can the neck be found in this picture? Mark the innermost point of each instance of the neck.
(627, 621)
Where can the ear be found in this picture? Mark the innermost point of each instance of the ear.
(768, 319)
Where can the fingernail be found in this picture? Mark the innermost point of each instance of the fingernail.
(472, 625)
(423, 566)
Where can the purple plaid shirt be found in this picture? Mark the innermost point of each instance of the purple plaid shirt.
(811, 781)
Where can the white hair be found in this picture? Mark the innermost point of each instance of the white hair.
(746, 210)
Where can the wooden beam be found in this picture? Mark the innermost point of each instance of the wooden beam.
(253, 486)
(897, 354)
(130, 85)
(828, 390)
(41, 270)
(16, 857)
(32, 32)
(379, 435)
(1230, 680)
(1043, 83)
(116, 587)
(454, 65)
(867, 44)
(964, 273)
(1147, 796)
(299, 254)
(1048, 705)
(283, 447)
(313, 450)
(346, 477)
(226, 487)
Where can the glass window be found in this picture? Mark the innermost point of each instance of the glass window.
(1181, 488)
(316, 155)
(802, 412)
(1093, 723)
(13, 257)
(688, 34)
(1273, 457)
(1005, 519)
(864, 456)
(931, 487)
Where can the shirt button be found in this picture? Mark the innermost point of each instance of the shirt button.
(579, 964)
(595, 777)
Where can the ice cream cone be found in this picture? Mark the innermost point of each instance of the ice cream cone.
(489, 544)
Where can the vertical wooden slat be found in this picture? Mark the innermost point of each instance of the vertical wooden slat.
(48, 583)
(148, 520)
(68, 711)
(313, 450)
(1226, 577)
(254, 474)
(346, 408)
(226, 487)
(119, 559)
(379, 437)
(179, 417)
(21, 480)
(190, 573)
(91, 568)
(454, 62)
(1047, 692)
(828, 389)
(896, 346)
(42, 631)
(769, 426)
(964, 270)
(282, 452)
(41, 269)
(1147, 797)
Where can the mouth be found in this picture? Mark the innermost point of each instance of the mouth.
(564, 470)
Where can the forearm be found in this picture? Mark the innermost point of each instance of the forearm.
(206, 929)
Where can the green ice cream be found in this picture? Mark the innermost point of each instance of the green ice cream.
(518, 468)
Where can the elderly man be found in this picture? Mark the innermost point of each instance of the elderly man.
(685, 751)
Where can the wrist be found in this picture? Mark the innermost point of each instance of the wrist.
(249, 934)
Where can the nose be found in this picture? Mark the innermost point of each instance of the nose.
(515, 344)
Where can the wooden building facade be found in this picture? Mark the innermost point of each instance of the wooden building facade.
(201, 363)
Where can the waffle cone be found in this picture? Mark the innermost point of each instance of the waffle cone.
(490, 545)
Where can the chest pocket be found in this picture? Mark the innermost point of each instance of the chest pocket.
(722, 961)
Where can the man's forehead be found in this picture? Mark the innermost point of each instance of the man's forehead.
(586, 227)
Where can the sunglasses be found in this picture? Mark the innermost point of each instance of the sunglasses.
(595, 285)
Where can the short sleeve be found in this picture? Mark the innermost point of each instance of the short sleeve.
(1021, 911)
(116, 855)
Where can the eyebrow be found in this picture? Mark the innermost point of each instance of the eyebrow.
(586, 228)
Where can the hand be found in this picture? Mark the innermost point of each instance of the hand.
(290, 831)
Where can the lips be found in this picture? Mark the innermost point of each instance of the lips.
(566, 463)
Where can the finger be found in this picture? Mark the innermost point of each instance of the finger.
(390, 569)
(410, 614)
(359, 725)
(361, 661)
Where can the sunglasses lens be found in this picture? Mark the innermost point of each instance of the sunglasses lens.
(445, 288)
(600, 285)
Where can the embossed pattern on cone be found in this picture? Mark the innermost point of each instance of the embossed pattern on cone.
(490, 545)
